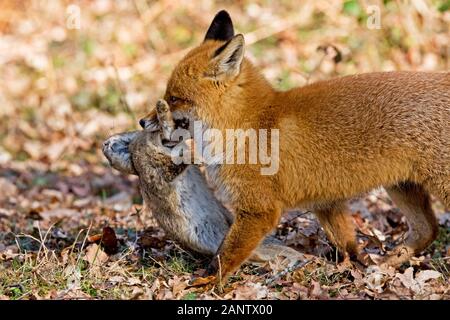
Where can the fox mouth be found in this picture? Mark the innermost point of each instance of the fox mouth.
(182, 121)
(150, 125)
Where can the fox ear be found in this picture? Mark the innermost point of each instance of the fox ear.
(227, 59)
(221, 27)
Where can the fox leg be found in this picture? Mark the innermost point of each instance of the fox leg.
(339, 228)
(245, 235)
(414, 203)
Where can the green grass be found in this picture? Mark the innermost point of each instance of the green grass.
(439, 246)
(180, 265)
(190, 296)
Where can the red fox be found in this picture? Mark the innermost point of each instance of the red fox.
(179, 196)
(337, 139)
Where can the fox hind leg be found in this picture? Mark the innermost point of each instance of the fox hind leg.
(339, 228)
(414, 203)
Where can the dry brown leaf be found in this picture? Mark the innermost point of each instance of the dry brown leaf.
(200, 281)
(116, 279)
(121, 201)
(95, 255)
(73, 275)
(8, 189)
(33, 148)
(59, 213)
(417, 283)
(95, 237)
(136, 293)
(54, 115)
(164, 294)
(109, 240)
(316, 290)
(134, 281)
(178, 284)
(71, 294)
(5, 213)
(250, 291)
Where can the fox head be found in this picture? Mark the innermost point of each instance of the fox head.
(209, 75)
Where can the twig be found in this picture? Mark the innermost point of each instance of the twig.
(44, 239)
(147, 15)
(297, 265)
(123, 101)
(300, 18)
(82, 245)
(75, 242)
(161, 265)
(220, 272)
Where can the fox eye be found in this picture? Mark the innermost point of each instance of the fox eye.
(173, 99)
(176, 101)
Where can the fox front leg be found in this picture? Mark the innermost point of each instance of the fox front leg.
(245, 235)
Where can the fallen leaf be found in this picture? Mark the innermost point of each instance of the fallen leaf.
(133, 281)
(316, 290)
(136, 293)
(423, 276)
(121, 201)
(116, 279)
(407, 279)
(73, 275)
(95, 255)
(251, 291)
(149, 241)
(55, 150)
(8, 189)
(33, 148)
(95, 237)
(418, 283)
(200, 281)
(71, 294)
(5, 156)
(4, 213)
(109, 240)
(164, 294)
(59, 213)
(375, 279)
(178, 284)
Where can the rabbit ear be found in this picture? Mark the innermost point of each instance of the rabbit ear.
(221, 27)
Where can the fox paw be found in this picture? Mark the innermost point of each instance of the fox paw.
(213, 267)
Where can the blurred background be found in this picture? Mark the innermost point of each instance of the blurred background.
(74, 72)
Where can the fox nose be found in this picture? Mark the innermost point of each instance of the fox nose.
(142, 123)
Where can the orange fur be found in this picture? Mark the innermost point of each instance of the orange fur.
(338, 139)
